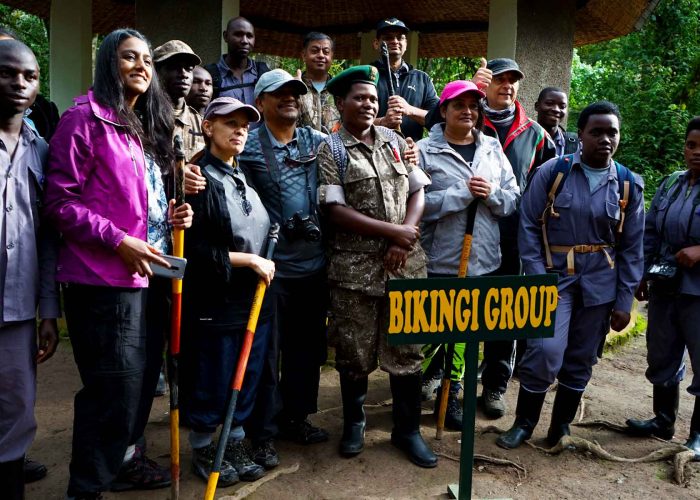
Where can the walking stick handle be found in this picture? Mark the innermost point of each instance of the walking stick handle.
(462, 273)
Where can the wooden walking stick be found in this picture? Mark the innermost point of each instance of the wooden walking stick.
(238, 375)
(463, 267)
(175, 317)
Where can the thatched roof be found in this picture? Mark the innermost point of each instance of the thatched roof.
(447, 27)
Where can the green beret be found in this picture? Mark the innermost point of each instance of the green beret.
(340, 84)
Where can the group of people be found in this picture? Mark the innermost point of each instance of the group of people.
(361, 197)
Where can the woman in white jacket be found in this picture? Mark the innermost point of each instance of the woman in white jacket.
(466, 167)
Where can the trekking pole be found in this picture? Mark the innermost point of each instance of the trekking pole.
(175, 317)
(463, 267)
(238, 375)
(390, 79)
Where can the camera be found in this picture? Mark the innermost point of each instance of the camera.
(302, 227)
(662, 271)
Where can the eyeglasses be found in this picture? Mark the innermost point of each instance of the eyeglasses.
(246, 205)
(299, 162)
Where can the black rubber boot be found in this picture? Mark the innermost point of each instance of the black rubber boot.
(665, 409)
(565, 406)
(12, 479)
(353, 392)
(694, 439)
(527, 414)
(406, 411)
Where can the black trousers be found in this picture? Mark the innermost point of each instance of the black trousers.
(12, 480)
(107, 328)
(157, 331)
(499, 356)
(298, 347)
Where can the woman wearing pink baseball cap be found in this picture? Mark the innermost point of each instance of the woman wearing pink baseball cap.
(467, 168)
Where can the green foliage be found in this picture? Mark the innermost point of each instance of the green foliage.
(653, 75)
(32, 31)
(443, 70)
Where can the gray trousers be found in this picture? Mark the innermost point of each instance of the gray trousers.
(674, 325)
(569, 356)
(17, 388)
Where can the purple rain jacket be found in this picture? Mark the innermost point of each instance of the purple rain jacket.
(95, 194)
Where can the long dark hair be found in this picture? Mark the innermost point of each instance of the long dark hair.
(152, 117)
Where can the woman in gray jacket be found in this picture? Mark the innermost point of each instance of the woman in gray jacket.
(466, 167)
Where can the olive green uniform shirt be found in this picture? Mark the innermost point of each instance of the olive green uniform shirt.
(376, 183)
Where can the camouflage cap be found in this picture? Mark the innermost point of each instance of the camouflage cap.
(175, 48)
(340, 84)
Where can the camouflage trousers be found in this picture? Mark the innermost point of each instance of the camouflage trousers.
(358, 331)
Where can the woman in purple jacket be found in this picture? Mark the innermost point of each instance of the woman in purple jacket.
(97, 197)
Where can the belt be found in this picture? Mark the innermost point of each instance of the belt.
(570, 250)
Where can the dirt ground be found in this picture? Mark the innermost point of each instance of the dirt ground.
(618, 390)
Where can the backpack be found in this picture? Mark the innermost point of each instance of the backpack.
(561, 170)
(340, 154)
(216, 79)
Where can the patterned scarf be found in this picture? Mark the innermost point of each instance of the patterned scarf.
(501, 116)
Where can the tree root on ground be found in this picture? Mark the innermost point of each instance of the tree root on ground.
(489, 460)
(249, 489)
(676, 451)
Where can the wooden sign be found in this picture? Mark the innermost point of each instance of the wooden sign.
(471, 310)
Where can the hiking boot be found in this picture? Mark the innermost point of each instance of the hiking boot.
(203, 461)
(265, 454)
(141, 473)
(494, 403)
(453, 415)
(302, 432)
(33, 470)
(430, 385)
(237, 455)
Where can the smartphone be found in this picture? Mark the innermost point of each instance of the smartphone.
(175, 271)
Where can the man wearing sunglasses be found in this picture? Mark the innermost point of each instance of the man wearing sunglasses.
(280, 160)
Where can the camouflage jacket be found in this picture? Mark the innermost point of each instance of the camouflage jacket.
(378, 186)
(318, 109)
(188, 125)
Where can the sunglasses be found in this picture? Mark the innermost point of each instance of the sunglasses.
(246, 205)
(299, 162)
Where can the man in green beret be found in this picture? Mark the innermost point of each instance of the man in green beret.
(374, 199)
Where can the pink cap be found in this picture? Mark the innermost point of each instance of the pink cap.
(459, 87)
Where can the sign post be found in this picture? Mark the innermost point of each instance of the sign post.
(471, 310)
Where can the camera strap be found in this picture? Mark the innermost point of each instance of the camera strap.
(274, 167)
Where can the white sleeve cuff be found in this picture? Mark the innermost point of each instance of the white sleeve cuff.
(331, 195)
(417, 179)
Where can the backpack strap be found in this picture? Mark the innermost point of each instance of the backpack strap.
(340, 155)
(625, 179)
(558, 175)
